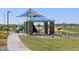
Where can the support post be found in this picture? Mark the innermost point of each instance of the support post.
(51, 30)
(30, 28)
(46, 27)
(8, 21)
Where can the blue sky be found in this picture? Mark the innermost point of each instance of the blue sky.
(60, 15)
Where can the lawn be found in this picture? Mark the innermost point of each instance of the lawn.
(71, 30)
(46, 44)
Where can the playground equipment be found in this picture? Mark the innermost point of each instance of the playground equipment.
(22, 28)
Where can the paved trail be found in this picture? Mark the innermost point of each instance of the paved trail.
(15, 44)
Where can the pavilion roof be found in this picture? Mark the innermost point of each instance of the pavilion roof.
(36, 16)
(30, 12)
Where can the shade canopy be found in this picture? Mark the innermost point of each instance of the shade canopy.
(35, 17)
(31, 13)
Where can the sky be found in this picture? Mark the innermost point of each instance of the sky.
(60, 15)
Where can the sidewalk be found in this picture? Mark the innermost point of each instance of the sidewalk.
(15, 44)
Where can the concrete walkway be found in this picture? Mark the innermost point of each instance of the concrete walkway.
(15, 44)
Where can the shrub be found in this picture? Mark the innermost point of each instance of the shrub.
(3, 36)
(3, 43)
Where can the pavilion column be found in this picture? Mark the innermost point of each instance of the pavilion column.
(46, 27)
(30, 28)
(51, 30)
(26, 27)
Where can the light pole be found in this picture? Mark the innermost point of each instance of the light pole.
(4, 22)
(8, 21)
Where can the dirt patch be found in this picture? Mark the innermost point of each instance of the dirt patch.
(3, 40)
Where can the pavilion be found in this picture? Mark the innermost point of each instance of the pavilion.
(33, 16)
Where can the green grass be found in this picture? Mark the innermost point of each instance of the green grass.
(69, 30)
(46, 44)
(73, 29)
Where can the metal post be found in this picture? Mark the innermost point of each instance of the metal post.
(28, 20)
(8, 21)
(28, 26)
(4, 19)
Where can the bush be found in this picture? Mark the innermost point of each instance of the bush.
(3, 43)
(3, 36)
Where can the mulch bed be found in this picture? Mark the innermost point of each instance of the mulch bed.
(3, 40)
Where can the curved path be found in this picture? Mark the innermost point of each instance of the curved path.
(15, 44)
